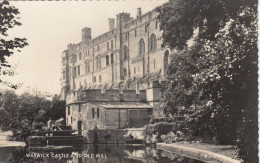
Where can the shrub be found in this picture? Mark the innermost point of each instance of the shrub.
(155, 131)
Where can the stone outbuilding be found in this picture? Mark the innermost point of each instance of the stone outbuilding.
(111, 109)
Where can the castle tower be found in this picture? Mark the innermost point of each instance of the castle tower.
(139, 12)
(86, 34)
(111, 22)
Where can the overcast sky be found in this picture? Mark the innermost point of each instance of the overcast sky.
(51, 26)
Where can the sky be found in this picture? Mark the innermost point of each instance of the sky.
(50, 26)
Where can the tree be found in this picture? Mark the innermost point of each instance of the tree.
(8, 20)
(179, 18)
(9, 111)
(57, 109)
(214, 83)
(26, 115)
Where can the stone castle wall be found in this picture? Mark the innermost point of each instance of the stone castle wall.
(115, 55)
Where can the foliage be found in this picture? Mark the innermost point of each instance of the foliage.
(161, 119)
(26, 114)
(8, 20)
(157, 130)
(214, 83)
(179, 18)
(57, 108)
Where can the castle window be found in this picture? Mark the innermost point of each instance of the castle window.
(88, 52)
(134, 70)
(135, 33)
(107, 45)
(111, 44)
(70, 72)
(80, 57)
(141, 46)
(146, 27)
(100, 78)
(87, 66)
(78, 69)
(126, 37)
(153, 42)
(79, 108)
(75, 71)
(156, 24)
(68, 110)
(70, 120)
(107, 60)
(112, 58)
(94, 79)
(154, 63)
(97, 112)
(98, 63)
(125, 73)
(93, 113)
(98, 48)
(125, 51)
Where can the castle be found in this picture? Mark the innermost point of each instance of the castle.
(130, 50)
(128, 58)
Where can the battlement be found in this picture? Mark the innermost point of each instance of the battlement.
(140, 20)
(95, 95)
(86, 34)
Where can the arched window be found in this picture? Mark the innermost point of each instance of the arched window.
(165, 60)
(74, 57)
(112, 58)
(98, 62)
(107, 60)
(153, 42)
(141, 46)
(87, 66)
(125, 52)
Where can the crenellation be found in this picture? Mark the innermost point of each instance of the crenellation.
(130, 50)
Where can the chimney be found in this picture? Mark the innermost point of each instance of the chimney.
(111, 22)
(86, 34)
(139, 12)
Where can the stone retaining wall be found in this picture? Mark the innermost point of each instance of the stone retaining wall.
(196, 153)
(106, 137)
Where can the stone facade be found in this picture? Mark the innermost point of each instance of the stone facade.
(111, 109)
(130, 50)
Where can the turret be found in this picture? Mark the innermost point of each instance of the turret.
(86, 34)
(111, 22)
(122, 18)
(139, 12)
